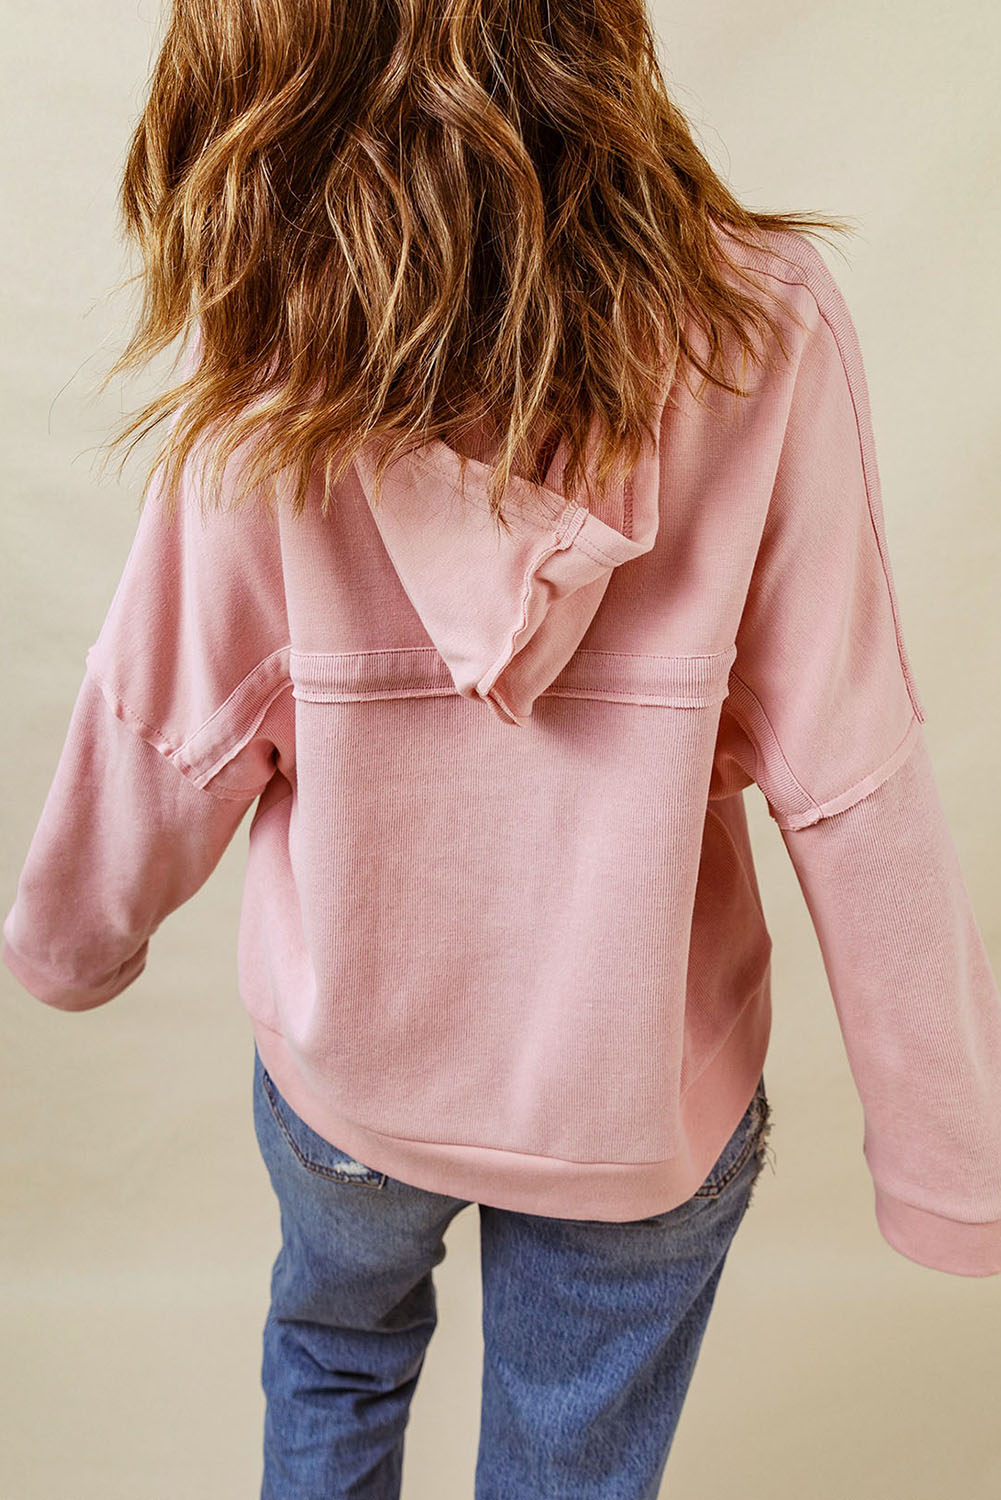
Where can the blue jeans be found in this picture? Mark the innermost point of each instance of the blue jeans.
(591, 1329)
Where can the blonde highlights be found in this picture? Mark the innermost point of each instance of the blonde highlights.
(395, 220)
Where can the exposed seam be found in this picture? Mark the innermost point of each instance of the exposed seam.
(642, 700)
(509, 649)
(746, 726)
(658, 655)
(807, 280)
(329, 695)
(166, 748)
(911, 690)
(233, 749)
(852, 795)
(254, 671)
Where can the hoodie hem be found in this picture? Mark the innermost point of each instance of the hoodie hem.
(551, 1186)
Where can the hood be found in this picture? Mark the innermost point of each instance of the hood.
(506, 611)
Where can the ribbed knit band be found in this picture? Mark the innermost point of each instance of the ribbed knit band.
(955, 1245)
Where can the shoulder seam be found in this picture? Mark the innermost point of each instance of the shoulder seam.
(834, 311)
(815, 274)
(272, 671)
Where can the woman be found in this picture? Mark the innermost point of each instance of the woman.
(519, 617)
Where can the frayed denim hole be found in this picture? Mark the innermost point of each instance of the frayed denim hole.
(763, 1151)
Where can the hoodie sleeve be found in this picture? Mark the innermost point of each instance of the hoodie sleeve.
(824, 716)
(174, 733)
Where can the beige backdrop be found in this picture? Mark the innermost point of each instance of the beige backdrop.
(138, 1223)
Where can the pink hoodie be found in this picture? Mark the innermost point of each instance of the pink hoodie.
(501, 934)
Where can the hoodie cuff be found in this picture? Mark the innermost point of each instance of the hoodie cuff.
(958, 1246)
(63, 996)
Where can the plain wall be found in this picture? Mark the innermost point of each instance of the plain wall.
(138, 1227)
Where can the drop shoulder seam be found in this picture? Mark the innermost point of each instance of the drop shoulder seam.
(173, 752)
(819, 281)
(860, 789)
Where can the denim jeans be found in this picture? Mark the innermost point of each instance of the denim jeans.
(591, 1329)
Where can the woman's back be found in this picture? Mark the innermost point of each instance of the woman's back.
(491, 619)
(498, 827)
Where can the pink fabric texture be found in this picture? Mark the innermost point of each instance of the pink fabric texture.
(501, 935)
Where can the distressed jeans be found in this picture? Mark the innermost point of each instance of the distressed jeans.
(591, 1329)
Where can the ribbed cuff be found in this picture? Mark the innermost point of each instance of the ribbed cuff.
(69, 997)
(958, 1246)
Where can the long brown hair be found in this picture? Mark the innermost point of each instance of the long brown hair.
(391, 219)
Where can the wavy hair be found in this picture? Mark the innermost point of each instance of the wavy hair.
(391, 220)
